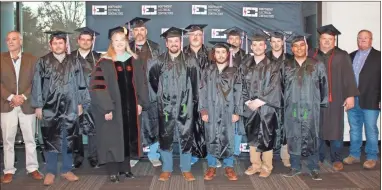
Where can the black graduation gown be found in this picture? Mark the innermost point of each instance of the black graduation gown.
(343, 85)
(280, 131)
(87, 64)
(220, 98)
(199, 148)
(306, 91)
(58, 88)
(238, 57)
(146, 96)
(261, 81)
(175, 83)
(112, 90)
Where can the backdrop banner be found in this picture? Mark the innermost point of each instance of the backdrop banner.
(285, 16)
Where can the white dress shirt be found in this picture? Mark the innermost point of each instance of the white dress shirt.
(17, 66)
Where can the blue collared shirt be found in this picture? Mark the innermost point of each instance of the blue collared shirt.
(359, 61)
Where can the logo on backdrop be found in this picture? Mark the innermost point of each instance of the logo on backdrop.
(250, 11)
(149, 10)
(258, 12)
(99, 10)
(218, 33)
(199, 9)
(111, 10)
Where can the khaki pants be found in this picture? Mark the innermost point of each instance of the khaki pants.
(284, 153)
(255, 158)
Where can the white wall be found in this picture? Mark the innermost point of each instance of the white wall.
(349, 18)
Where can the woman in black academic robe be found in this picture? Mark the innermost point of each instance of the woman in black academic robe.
(115, 107)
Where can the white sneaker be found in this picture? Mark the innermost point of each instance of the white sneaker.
(133, 162)
(156, 163)
(218, 163)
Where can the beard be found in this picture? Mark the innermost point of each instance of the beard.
(221, 61)
(174, 50)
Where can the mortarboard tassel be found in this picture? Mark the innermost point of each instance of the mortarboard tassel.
(129, 27)
(242, 38)
(230, 57)
(285, 48)
(181, 43)
(246, 44)
(306, 44)
(203, 37)
(67, 44)
(94, 37)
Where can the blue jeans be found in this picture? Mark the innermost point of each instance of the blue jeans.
(227, 162)
(167, 161)
(52, 158)
(357, 118)
(153, 153)
(237, 140)
(295, 161)
(335, 150)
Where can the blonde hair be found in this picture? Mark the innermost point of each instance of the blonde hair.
(111, 52)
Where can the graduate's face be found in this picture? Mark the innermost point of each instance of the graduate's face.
(173, 44)
(234, 40)
(327, 41)
(85, 41)
(119, 41)
(364, 40)
(299, 49)
(258, 47)
(14, 41)
(221, 55)
(140, 33)
(196, 38)
(58, 45)
(276, 44)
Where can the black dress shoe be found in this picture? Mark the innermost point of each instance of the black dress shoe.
(93, 163)
(114, 178)
(127, 174)
(77, 164)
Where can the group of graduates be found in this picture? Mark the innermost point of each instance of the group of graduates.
(203, 99)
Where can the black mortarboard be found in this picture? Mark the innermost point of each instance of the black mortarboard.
(87, 30)
(117, 29)
(174, 32)
(227, 46)
(57, 33)
(236, 31)
(328, 29)
(278, 34)
(295, 37)
(137, 22)
(61, 35)
(194, 27)
(259, 35)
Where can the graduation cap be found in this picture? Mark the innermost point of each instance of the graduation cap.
(279, 34)
(329, 29)
(296, 37)
(195, 27)
(117, 29)
(88, 31)
(137, 22)
(227, 46)
(259, 35)
(236, 31)
(60, 34)
(174, 32)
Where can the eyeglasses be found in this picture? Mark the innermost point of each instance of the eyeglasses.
(198, 34)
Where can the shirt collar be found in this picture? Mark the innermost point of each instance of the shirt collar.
(365, 51)
(18, 55)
